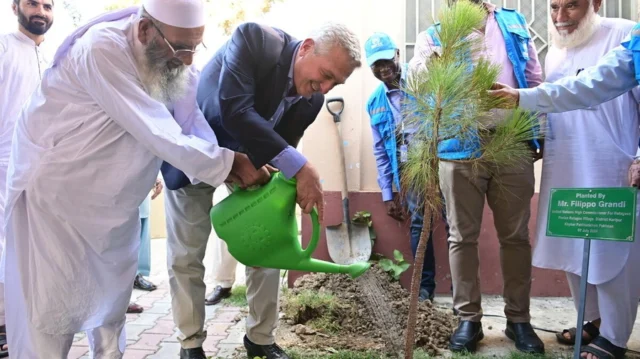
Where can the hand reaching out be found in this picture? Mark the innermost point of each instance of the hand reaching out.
(510, 97)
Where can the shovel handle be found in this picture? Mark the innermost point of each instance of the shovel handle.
(335, 114)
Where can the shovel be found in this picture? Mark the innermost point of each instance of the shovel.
(347, 242)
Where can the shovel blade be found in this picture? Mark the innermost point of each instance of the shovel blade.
(348, 246)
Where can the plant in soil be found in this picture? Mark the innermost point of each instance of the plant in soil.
(448, 99)
(395, 269)
(330, 311)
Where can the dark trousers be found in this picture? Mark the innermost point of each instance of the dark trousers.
(416, 212)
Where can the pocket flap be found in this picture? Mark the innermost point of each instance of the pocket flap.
(520, 30)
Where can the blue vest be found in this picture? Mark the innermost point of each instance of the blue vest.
(382, 119)
(516, 37)
(633, 45)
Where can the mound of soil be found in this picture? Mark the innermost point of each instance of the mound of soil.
(360, 327)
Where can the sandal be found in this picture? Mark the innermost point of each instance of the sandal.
(3, 341)
(604, 348)
(589, 328)
(134, 308)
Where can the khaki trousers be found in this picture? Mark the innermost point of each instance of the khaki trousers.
(508, 192)
(188, 229)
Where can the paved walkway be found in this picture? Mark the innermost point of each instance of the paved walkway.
(152, 334)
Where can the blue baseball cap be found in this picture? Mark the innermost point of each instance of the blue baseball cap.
(379, 47)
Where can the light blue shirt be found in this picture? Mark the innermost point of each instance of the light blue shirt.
(289, 161)
(613, 76)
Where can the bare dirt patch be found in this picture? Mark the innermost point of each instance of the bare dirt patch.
(331, 312)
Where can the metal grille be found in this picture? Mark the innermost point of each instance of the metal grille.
(420, 14)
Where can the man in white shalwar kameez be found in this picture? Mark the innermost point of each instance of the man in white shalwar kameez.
(22, 62)
(592, 147)
(118, 99)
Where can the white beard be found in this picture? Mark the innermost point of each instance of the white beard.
(164, 88)
(587, 27)
(163, 85)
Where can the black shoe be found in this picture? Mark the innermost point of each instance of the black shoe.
(217, 295)
(425, 295)
(143, 284)
(466, 337)
(195, 353)
(272, 351)
(526, 339)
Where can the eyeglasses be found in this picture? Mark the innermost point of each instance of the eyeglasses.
(181, 53)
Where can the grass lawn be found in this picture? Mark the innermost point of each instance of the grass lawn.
(238, 297)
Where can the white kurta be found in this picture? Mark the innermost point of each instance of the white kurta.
(587, 148)
(22, 63)
(86, 151)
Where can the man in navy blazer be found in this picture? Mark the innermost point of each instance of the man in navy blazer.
(259, 93)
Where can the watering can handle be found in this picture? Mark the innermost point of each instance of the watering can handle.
(315, 235)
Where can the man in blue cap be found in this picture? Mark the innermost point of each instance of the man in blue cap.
(390, 142)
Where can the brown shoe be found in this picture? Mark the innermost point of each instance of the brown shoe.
(217, 295)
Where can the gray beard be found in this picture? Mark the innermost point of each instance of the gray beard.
(585, 30)
(162, 83)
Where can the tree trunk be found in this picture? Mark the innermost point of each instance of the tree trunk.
(431, 191)
(415, 283)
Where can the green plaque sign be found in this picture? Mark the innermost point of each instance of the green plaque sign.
(595, 213)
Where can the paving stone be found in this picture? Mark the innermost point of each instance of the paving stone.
(146, 302)
(132, 316)
(210, 311)
(149, 341)
(165, 299)
(84, 342)
(226, 317)
(162, 327)
(173, 338)
(159, 308)
(77, 352)
(225, 308)
(146, 319)
(158, 293)
(226, 350)
(137, 354)
(79, 336)
(218, 328)
(234, 337)
(133, 331)
(210, 344)
(167, 351)
(167, 317)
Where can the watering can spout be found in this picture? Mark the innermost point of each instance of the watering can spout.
(313, 265)
(260, 229)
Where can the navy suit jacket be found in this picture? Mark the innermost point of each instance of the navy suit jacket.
(240, 89)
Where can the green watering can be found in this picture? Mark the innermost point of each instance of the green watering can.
(260, 228)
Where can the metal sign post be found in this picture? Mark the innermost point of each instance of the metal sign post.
(607, 214)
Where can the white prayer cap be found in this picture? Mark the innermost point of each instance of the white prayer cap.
(186, 14)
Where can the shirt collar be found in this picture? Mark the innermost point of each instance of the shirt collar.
(490, 7)
(24, 38)
(290, 75)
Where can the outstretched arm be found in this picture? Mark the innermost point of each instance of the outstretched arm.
(611, 77)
